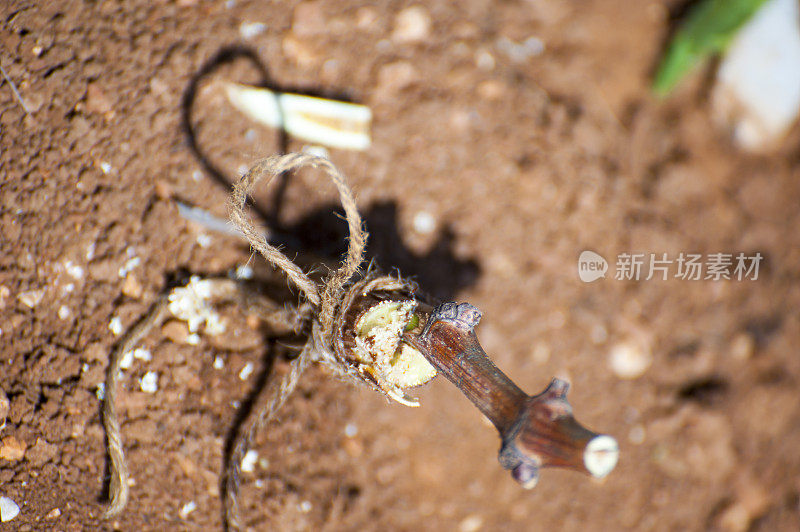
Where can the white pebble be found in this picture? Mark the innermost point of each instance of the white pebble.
(244, 272)
(140, 353)
(484, 60)
(149, 382)
(350, 430)
(31, 298)
(68, 288)
(63, 312)
(186, 509)
(412, 24)
(218, 362)
(73, 270)
(127, 360)
(105, 167)
(249, 461)
(247, 370)
(8, 509)
(520, 52)
(248, 30)
(203, 240)
(424, 222)
(197, 175)
(115, 326)
(629, 360)
(305, 507)
(129, 265)
(192, 339)
(100, 391)
(472, 523)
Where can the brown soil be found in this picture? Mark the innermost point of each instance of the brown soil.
(521, 162)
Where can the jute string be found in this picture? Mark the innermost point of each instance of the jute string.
(322, 315)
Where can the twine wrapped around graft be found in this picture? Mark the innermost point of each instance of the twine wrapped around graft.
(329, 300)
(322, 315)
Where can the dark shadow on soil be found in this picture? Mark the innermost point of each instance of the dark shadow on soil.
(323, 233)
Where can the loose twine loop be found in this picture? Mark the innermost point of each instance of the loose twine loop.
(324, 310)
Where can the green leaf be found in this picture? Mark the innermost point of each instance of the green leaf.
(708, 29)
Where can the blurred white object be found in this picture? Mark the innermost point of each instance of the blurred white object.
(8, 509)
(328, 122)
(757, 95)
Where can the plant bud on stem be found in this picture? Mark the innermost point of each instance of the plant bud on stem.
(535, 431)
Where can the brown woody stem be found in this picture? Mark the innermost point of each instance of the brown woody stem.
(535, 431)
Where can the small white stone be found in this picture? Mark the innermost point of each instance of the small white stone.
(31, 298)
(68, 288)
(115, 326)
(247, 370)
(350, 430)
(105, 167)
(186, 509)
(629, 360)
(471, 523)
(520, 52)
(8, 509)
(249, 461)
(192, 339)
(305, 507)
(127, 360)
(149, 382)
(129, 265)
(218, 362)
(412, 24)
(90, 251)
(248, 30)
(244, 272)
(197, 175)
(484, 60)
(73, 270)
(100, 391)
(141, 353)
(203, 240)
(63, 312)
(424, 222)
